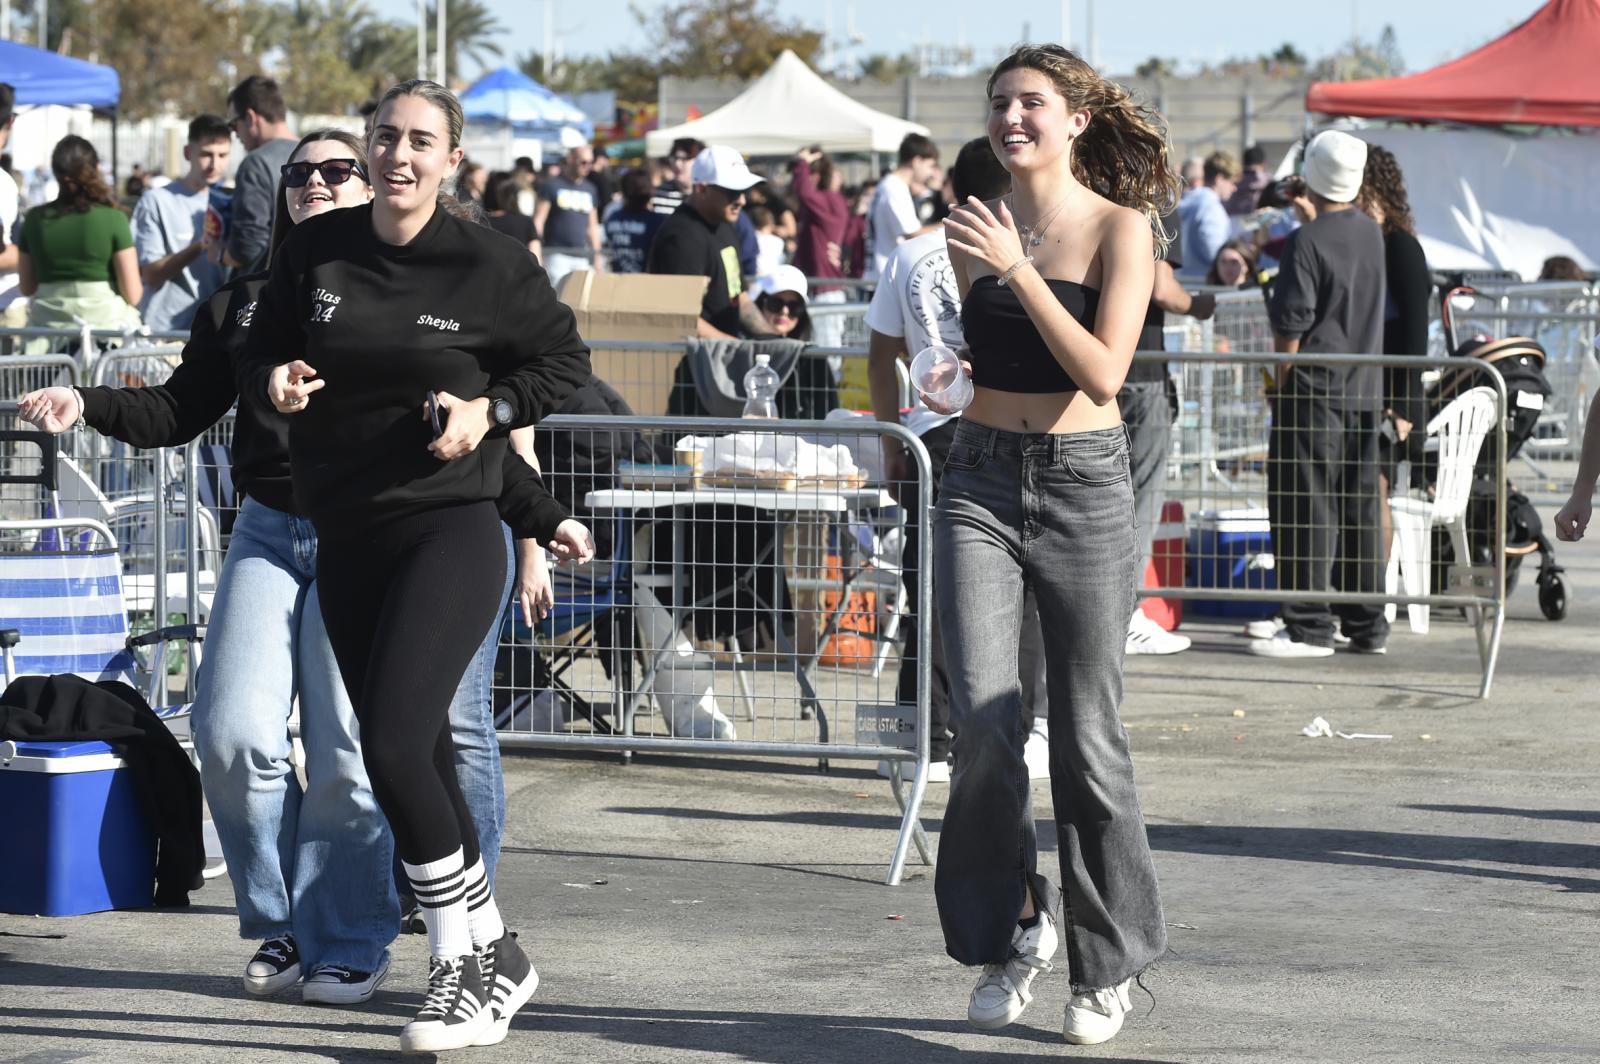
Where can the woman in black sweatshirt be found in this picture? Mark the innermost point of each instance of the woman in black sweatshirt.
(266, 645)
(388, 306)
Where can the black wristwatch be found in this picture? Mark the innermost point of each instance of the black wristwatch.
(500, 412)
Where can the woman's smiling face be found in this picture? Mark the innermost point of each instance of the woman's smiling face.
(410, 154)
(316, 196)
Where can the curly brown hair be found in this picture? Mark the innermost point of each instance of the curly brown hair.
(1384, 187)
(1122, 155)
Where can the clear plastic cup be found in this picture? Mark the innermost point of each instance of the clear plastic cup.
(937, 374)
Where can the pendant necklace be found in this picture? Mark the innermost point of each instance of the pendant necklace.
(1033, 235)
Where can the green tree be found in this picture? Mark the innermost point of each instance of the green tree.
(1157, 67)
(1361, 59)
(881, 67)
(470, 32)
(631, 77)
(177, 53)
(316, 38)
(1288, 56)
(723, 38)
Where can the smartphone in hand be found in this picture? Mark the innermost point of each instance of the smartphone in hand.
(434, 409)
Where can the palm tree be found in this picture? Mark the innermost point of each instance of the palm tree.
(470, 32)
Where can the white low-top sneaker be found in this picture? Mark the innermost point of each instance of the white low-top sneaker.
(1004, 990)
(1281, 646)
(1145, 636)
(1036, 754)
(1097, 1016)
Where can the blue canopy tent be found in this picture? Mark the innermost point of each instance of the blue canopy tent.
(513, 99)
(42, 78)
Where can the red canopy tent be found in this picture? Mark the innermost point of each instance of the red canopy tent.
(1545, 72)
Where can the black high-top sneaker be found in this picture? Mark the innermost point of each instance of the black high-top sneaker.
(456, 1010)
(510, 980)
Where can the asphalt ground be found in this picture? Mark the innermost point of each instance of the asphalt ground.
(1425, 898)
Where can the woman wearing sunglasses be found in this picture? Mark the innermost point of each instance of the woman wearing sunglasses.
(781, 297)
(311, 867)
(373, 308)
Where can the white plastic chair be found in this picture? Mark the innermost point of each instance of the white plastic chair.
(1460, 429)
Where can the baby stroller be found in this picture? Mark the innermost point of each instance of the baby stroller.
(1520, 361)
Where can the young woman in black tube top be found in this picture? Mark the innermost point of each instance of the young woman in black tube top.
(1055, 280)
(384, 307)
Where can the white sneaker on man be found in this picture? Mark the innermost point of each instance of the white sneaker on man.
(1265, 628)
(1097, 1016)
(1036, 752)
(1281, 646)
(1270, 627)
(1004, 990)
(1145, 636)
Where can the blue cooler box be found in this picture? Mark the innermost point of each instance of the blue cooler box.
(76, 839)
(1230, 548)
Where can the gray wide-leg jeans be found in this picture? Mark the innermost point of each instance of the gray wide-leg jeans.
(1053, 513)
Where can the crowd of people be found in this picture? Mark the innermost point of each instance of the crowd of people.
(392, 504)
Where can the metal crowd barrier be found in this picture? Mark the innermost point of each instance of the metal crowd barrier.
(1256, 525)
(84, 343)
(746, 601)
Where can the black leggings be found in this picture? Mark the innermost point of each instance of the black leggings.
(406, 605)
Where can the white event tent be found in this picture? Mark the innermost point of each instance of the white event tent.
(788, 108)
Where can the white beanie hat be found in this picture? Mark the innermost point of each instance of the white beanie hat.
(1333, 165)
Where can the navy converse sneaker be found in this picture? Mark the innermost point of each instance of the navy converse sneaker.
(456, 1010)
(275, 966)
(510, 980)
(334, 984)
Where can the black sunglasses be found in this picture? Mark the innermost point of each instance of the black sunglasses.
(793, 306)
(333, 171)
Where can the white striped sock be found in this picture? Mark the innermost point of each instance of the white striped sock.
(440, 888)
(483, 915)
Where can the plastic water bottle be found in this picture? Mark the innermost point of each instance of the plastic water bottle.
(761, 390)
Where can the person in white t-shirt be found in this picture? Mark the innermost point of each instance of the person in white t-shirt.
(13, 307)
(917, 305)
(893, 216)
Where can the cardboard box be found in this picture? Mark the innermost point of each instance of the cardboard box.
(613, 307)
(78, 841)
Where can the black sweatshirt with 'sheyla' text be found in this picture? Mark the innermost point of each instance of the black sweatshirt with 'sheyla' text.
(202, 389)
(460, 309)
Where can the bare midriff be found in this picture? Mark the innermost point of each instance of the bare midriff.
(1054, 412)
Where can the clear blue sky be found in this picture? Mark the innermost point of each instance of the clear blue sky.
(1127, 31)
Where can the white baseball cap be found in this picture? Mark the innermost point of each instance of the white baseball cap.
(720, 165)
(782, 279)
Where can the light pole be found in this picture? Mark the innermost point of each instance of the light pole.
(422, 39)
(438, 43)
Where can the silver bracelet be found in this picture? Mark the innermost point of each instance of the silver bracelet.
(1005, 278)
(80, 422)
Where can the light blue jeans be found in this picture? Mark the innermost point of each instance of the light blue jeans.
(313, 861)
(472, 733)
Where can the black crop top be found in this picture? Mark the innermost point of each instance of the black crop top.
(1007, 352)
